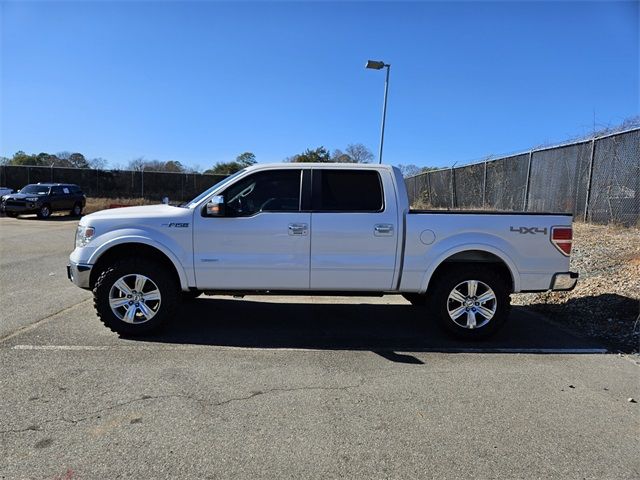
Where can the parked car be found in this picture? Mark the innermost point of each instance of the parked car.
(44, 199)
(5, 191)
(321, 229)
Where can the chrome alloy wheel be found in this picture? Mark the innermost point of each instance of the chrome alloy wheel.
(134, 298)
(472, 304)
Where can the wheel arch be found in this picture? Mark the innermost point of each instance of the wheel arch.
(473, 255)
(138, 249)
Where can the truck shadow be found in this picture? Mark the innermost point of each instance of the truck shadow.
(384, 329)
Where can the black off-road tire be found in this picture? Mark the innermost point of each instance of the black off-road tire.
(45, 211)
(415, 299)
(11, 214)
(76, 211)
(445, 284)
(165, 282)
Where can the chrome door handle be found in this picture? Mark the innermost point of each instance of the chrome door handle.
(383, 229)
(298, 229)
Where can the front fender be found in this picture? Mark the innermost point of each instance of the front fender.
(164, 244)
(470, 241)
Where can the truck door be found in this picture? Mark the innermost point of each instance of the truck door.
(261, 242)
(354, 231)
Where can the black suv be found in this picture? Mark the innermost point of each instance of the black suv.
(45, 198)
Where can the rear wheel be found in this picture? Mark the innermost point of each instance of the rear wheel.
(134, 298)
(76, 211)
(471, 302)
(44, 212)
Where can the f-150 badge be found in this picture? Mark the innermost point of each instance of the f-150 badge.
(175, 225)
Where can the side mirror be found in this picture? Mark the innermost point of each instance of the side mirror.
(215, 207)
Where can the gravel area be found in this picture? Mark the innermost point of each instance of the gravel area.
(606, 302)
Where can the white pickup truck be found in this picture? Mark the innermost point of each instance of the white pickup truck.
(321, 229)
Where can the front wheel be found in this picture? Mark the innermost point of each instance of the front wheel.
(134, 297)
(44, 212)
(471, 302)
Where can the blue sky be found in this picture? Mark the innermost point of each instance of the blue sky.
(201, 82)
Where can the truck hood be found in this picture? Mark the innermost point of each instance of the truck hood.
(20, 196)
(127, 213)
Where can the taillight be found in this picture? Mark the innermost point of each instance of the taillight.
(562, 238)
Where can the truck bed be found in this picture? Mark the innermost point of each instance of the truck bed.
(486, 212)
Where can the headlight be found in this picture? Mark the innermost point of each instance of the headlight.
(84, 235)
(32, 199)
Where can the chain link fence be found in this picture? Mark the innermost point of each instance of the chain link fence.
(113, 183)
(597, 180)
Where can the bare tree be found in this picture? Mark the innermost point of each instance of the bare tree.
(137, 164)
(359, 153)
(98, 163)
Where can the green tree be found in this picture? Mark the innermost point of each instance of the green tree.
(247, 159)
(173, 166)
(77, 160)
(243, 160)
(319, 154)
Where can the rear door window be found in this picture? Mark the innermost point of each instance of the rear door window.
(347, 191)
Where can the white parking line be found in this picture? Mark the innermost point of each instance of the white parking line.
(267, 349)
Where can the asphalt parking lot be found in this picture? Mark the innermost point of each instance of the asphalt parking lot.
(293, 387)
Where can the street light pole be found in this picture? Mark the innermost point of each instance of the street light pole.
(384, 110)
(378, 65)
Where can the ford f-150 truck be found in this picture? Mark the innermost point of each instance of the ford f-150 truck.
(321, 229)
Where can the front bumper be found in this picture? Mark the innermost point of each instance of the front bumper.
(563, 282)
(79, 274)
(21, 209)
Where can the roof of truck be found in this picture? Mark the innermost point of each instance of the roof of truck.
(376, 166)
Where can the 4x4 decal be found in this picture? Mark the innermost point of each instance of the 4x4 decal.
(531, 230)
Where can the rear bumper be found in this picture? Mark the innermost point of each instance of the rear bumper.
(564, 281)
(79, 274)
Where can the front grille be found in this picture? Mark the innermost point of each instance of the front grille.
(15, 203)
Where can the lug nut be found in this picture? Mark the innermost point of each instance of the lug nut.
(130, 303)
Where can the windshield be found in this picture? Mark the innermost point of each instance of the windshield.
(35, 189)
(211, 189)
